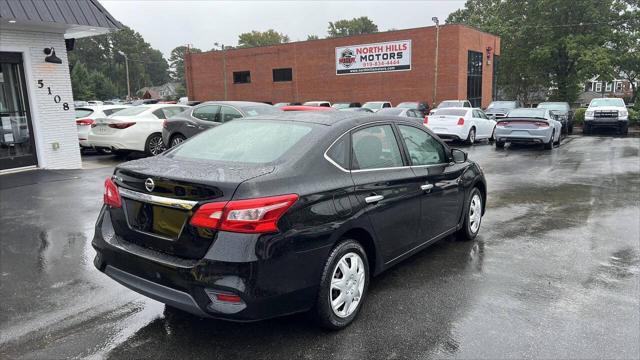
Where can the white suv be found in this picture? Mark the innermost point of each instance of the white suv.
(606, 112)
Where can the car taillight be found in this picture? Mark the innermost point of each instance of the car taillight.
(426, 120)
(541, 124)
(460, 121)
(502, 123)
(111, 194)
(122, 125)
(85, 122)
(259, 215)
(164, 123)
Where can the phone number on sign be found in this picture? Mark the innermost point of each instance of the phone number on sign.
(381, 63)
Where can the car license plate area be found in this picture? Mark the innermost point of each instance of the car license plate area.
(520, 133)
(153, 219)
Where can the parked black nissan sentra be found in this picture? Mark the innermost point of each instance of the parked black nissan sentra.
(281, 214)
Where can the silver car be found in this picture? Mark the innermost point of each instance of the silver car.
(529, 126)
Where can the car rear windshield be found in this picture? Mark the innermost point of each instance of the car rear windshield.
(502, 105)
(452, 112)
(607, 102)
(554, 106)
(261, 110)
(81, 112)
(257, 141)
(535, 113)
(447, 104)
(390, 111)
(408, 105)
(132, 111)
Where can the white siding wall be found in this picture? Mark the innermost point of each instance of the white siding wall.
(50, 122)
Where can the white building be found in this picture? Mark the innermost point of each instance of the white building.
(37, 122)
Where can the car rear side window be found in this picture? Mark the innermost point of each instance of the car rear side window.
(339, 152)
(108, 112)
(228, 113)
(375, 147)
(207, 113)
(423, 148)
(173, 111)
(133, 111)
(257, 142)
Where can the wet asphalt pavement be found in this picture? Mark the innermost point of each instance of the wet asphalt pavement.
(554, 273)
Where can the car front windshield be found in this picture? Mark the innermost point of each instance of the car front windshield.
(502, 105)
(553, 106)
(527, 113)
(373, 105)
(247, 141)
(132, 111)
(260, 110)
(606, 102)
(408, 105)
(448, 104)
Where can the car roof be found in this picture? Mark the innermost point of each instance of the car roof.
(328, 118)
(457, 108)
(234, 103)
(305, 108)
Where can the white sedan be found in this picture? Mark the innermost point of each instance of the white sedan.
(86, 116)
(467, 124)
(138, 128)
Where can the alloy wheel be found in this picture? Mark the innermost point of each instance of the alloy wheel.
(177, 141)
(347, 285)
(475, 213)
(155, 145)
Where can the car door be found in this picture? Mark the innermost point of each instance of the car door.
(481, 124)
(439, 181)
(228, 113)
(386, 188)
(202, 118)
(490, 123)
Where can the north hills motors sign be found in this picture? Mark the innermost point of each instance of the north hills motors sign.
(379, 57)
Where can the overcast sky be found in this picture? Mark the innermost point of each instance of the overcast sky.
(167, 24)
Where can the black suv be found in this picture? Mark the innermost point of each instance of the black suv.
(272, 215)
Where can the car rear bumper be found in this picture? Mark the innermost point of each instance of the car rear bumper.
(267, 288)
(450, 132)
(531, 136)
(117, 141)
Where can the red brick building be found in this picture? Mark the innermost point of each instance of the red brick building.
(395, 66)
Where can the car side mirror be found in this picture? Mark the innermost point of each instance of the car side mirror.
(458, 156)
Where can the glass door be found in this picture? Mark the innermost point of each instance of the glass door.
(17, 148)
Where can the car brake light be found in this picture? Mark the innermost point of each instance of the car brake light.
(426, 120)
(122, 125)
(259, 215)
(541, 124)
(228, 298)
(164, 123)
(460, 121)
(111, 194)
(85, 122)
(502, 123)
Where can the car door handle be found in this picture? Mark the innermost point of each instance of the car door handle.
(191, 125)
(426, 187)
(373, 199)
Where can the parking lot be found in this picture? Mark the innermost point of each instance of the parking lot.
(554, 273)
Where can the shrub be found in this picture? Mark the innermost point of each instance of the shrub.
(634, 117)
(578, 116)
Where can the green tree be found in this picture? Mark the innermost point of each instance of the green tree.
(261, 38)
(549, 44)
(176, 62)
(102, 86)
(313, 37)
(81, 82)
(355, 26)
(181, 91)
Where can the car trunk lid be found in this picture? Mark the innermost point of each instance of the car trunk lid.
(160, 194)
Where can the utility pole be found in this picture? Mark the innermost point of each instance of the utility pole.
(126, 65)
(435, 81)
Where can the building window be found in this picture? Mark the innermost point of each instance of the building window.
(598, 87)
(241, 77)
(619, 87)
(282, 75)
(609, 87)
(474, 78)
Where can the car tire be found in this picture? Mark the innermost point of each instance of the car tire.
(326, 315)
(176, 140)
(549, 145)
(586, 130)
(121, 153)
(472, 216)
(154, 145)
(471, 138)
(104, 151)
(499, 144)
(493, 136)
(624, 129)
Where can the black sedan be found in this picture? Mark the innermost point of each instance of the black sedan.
(563, 112)
(207, 115)
(274, 215)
